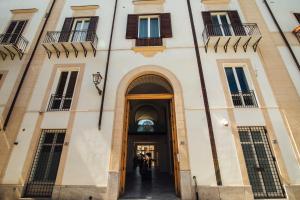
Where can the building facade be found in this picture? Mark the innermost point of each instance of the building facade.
(148, 99)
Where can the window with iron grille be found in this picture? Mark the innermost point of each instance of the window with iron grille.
(260, 163)
(62, 99)
(242, 95)
(13, 32)
(45, 165)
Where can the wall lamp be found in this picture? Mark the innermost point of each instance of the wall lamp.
(97, 80)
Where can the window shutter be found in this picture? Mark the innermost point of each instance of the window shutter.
(208, 24)
(236, 23)
(297, 15)
(66, 30)
(61, 83)
(165, 25)
(71, 85)
(132, 27)
(1, 75)
(92, 28)
(70, 90)
(18, 31)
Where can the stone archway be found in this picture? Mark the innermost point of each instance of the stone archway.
(119, 118)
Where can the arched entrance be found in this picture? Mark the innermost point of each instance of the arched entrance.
(149, 166)
(120, 119)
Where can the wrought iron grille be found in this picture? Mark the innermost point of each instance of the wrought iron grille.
(59, 103)
(72, 36)
(260, 162)
(14, 39)
(244, 99)
(45, 165)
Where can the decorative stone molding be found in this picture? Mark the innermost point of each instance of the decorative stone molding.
(139, 2)
(21, 11)
(85, 7)
(215, 1)
(149, 51)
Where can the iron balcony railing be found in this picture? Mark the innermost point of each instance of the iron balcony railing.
(59, 103)
(248, 29)
(17, 40)
(244, 99)
(149, 42)
(72, 36)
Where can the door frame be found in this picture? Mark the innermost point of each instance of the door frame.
(173, 133)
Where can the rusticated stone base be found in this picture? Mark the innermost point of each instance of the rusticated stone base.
(225, 193)
(293, 192)
(65, 192)
(10, 192)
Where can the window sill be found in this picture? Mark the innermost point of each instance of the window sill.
(148, 51)
(139, 2)
(214, 1)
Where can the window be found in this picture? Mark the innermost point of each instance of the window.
(149, 27)
(14, 31)
(62, 99)
(148, 30)
(226, 23)
(45, 165)
(239, 88)
(221, 23)
(260, 163)
(145, 125)
(79, 29)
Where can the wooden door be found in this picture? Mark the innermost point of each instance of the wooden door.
(124, 149)
(175, 148)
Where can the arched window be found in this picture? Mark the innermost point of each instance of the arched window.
(145, 125)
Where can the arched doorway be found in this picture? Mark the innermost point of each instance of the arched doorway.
(149, 163)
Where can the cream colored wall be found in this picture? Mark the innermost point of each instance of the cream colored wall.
(88, 155)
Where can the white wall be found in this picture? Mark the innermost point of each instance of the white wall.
(89, 149)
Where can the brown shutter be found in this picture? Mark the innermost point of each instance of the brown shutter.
(9, 31)
(61, 84)
(70, 90)
(71, 85)
(132, 27)
(208, 24)
(18, 31)
(92, 28)
(165, 25)
(66, 30)
(297, 15)
(1, 75)
(236, 22)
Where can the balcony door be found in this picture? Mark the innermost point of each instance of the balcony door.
(221, 23)
(80, 29)
(14, 31)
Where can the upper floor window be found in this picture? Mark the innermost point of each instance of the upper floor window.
(149, 27)
(14, 31)
(148, 30)
(224, 23)
(62, 99)
(242, 95)
(79, 29)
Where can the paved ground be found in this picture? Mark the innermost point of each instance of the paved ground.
(160, 186)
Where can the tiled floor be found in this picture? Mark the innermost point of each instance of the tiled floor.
(160, 186)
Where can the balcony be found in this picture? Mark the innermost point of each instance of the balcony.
(231, 35)
(296, 31)
(59, 42)
(12, 45)
(244, 99)
(59, 103)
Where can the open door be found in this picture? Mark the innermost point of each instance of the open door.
(175, 149)
(124, 149)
